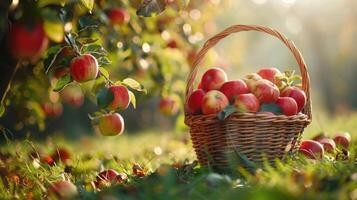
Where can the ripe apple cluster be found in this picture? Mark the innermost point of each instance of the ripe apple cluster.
(315, 148)
(215, 93)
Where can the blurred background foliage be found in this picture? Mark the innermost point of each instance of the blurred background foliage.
(157, 51)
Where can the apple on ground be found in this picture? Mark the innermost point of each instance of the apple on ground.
(287, 105)
(84, 68)
(27, 43)
(107, 175)
(343, 139)
(121, 98)
(247, 103)
(169, 105)
(320, 136)
(328, 144)
(195, 101)
(64, 189)
(265, 91)
(48, 160)
(118, 16)
(111, 124)
(234, 88)
(213, 79)
(61, 154)
(297, 94)
(270, 74)
(251, 79)
(213, 102)
(312, 149)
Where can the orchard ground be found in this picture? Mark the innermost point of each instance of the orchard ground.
(167, 160)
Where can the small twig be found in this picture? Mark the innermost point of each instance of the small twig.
(106, 78)
(74, 47)
(18, 65)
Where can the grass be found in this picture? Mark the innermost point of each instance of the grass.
(170, 171)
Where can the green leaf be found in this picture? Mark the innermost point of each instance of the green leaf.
(94, 49)
(88, 4)
(62, 82)
(43, 3)
(54, 30)
(104, 72)
(103, 61)
(151, 7)
(51, 57)
(226, 112)
(132, 99)
(87, 40)
(2, 110)
(133, 84)
(104, 97)
(270, 107)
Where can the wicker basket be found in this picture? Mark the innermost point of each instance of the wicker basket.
(257, 136)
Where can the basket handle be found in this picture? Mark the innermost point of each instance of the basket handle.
(238, 28)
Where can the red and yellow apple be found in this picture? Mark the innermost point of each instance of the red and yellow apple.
(287, 105)
(195, 101)
(64, 189)
(169, 105)
(26, 42)
(73, 95)
(118, 16)
(61, 154)
(234, 88)
(111, 124)
(213, 79)
(343, 139)
(121, 98)
(213, 102)
(251, 80)
(312, 149)
(328, 144)
(265, 91)
(247, 103)
(52, 109)
(48, 160)
(84, 68)
(270, 74)
(297, 94)
(107, 175)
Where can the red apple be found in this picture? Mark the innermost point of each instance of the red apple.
(84, 68)
(312, 149)
(328, 144)
(234, 88)
(61, 154)
(265, 91)
(213, 102)
(270, 74)
(287, 105)
(199, 86)
(247, 103)
(169, 105)
(52, 109)
(27, 43)
(73, 95)
(343, 139)
(118, 16)
(48, 160)
(172, 44)
(64, 189)
(111, 124)
(121, 98)
(319, 136)
(251, 79)
(195, 101)
(107, 175)
(213, 79)
(297, 94)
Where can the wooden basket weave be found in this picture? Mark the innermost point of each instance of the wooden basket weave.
(257, 136)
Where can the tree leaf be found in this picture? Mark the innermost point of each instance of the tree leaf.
(103, 61)
(54, 30)
(88, 4)
(62, 82)
(270, 107)
(94, 49)
(87, 40)
(104, 72)
(2, 110)
(52, 54)
(133, 84)
(104, 97)
(151, 7)
(132, 98)
(226, 112)
(43, 3)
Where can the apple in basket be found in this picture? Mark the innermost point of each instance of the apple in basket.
(297, 94)
(287, 105)
(213, 102)
(271, 75)
(234, 88)
(247, 103)
(265, 91)
(213, 79)
(251, 79)
(195, 101)
(312, 149)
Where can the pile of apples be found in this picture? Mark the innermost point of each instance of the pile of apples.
(267, 86)
(321, 144)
